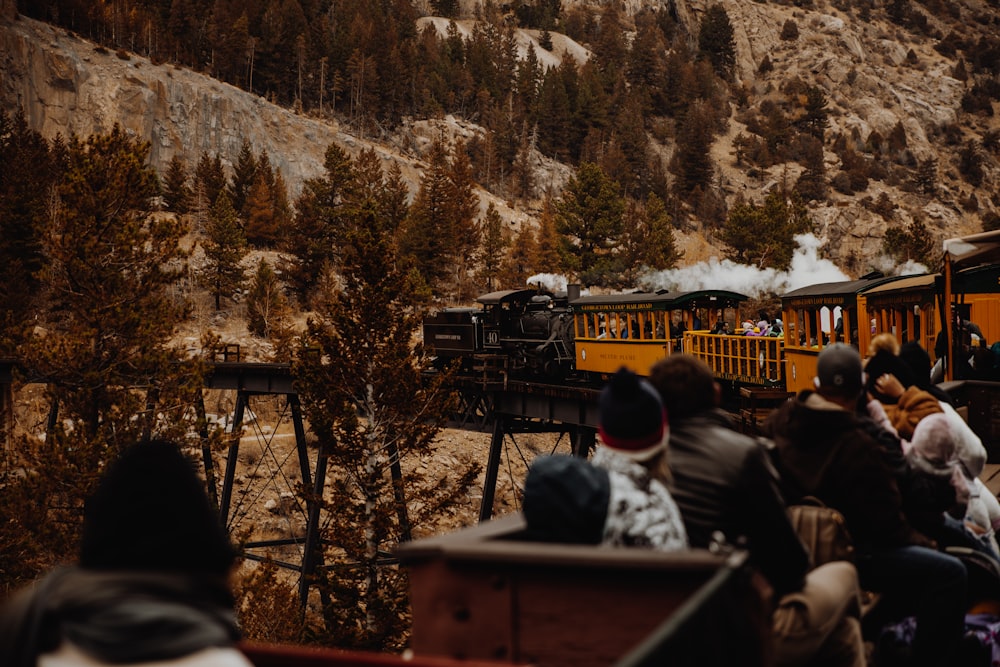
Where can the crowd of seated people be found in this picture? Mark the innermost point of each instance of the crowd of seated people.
(886, 450)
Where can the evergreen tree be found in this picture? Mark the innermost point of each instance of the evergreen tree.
(261, 229)
(546, 258)
(912, 242)
(176, 191)
(492, 251)
(439, 234)
(716, 42)
(764, 236)
(589, 216)
(816, 117)
(811, 184)
(225, 248)
(522, 260)
(108, 319)
(267, 308)
(27, 177)
(370, 406)
(315, 229)
(926, 178)
(692, 160)
(647, 240)
(210, 180)
(244, 175)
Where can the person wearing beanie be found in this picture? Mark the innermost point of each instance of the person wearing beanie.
(823, 449)
(633, 437)
(151, 585)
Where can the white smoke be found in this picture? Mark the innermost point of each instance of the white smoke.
(807, 268)
(553, 282)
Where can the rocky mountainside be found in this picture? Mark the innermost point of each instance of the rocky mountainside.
(875, 75)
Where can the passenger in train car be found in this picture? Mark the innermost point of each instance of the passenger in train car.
(633, 435)
(965, 332)
(949, 520)
(615, 499)
(724, 481)
(933, 452)
(151, 584)
(919, 363)
(720, 323)
(823, 450)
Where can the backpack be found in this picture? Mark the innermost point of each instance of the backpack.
(822, 530)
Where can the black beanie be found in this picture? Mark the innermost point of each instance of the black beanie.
(632, 421)
(566, 500)
(151, 512)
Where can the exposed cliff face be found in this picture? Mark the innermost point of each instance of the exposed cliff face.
(67, 86)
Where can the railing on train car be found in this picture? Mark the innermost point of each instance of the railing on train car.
(757, 360)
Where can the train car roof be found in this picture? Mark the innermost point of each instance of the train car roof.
(982, 279)
(508, 296)
(660, 300)
(907, 290)
(973, 250)
(843, 288)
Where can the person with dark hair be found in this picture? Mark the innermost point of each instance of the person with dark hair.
(919, 364)
(151, 584)
(823, 450)
(723, 481)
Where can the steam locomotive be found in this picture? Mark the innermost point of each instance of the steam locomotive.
(527, 333)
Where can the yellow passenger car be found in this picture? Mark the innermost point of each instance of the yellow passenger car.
(636, 330)
(818, 315)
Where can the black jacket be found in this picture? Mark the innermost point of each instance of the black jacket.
(724, 480)
(824, 451)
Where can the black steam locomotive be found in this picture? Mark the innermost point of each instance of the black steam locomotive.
(523, 332)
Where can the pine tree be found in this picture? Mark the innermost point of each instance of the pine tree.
(716, 42)
(440, 233)
(522, 260)
(912, 242)
(176, 191)
(267, 308)
(368, 404)
(225, 248)
(764, 236)
(492, 251)
(547, 259)
(692, 161)
(261, 230)
(244, 175)
(26, 180)
(647, 240)
(209, 181)
(108, 318)
(589, 216)
(315, 230)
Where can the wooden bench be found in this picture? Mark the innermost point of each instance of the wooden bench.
(482, 593)
(757, 403)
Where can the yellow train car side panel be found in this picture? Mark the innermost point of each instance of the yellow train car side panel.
(607, 355)
(985, 311)
(800, 368)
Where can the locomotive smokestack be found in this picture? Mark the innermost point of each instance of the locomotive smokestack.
(572, 292)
